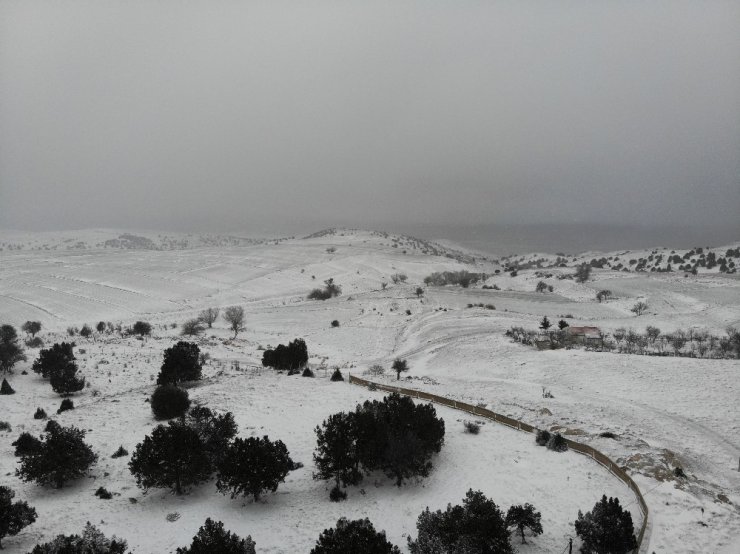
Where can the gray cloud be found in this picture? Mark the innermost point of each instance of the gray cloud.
(221, 115)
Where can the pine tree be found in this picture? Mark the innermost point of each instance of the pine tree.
(252, 466)
(545, 324)
(10, 350)
(212, 538)
(358, 536)
(336, 450)
(63, 456)
(607, 529)
(523, 517)
(475, 527)
(169, 401)
(64, 380)
(215, 430)
(5, 388)
(14, 516)
(92, 541)
(58, 358)
(173, 457)
(181, 363)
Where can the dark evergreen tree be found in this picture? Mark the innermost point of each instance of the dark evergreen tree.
(14, 516)
(476, 527)
(545, 324)
(66, 405)
(92, 541)
(142, 328)
(173, 457)
(252, 466)
(100, 327)
(214, 430)
(26, 444)
(414, 433)
(562, 324)
(291, 357)
(169, 401)
(11, 351)
(212, 538)
(336, 450)
(63, 456)
(59, 358)
(358, 537)
(181, 363)
(524, 517)
(5, 388)
(336, 376)
(607, 529)
(86, 331)
(64, 380)
(557, 443)
(39, 414)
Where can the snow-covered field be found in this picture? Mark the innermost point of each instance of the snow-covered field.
(665, 411)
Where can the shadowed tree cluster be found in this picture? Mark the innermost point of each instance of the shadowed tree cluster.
(291, 357)
(394, 436)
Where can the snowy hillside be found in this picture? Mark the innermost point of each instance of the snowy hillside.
(664, 411)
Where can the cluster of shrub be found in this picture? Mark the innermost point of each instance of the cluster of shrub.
(463, 278)
(482, 305)
(330, 290)
(292, 357)
(553, 441)
(394, 436)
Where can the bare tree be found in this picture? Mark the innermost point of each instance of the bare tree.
(209, 316)
(639, 308)
(192, 327)
(234, 315)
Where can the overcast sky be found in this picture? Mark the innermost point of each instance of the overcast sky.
(209, 115)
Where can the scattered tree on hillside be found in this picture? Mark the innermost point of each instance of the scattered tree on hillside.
(58, 358)
(142, 328)
(398, 278)
(583, 272)
(181, 363)
(252, 466)
(419, 292)
(541, 287)
(652, 333)
(192, 327)
(523, 517)
(31, 327)
(330, 290)
(14, 516)
(399, 366)
(173, 457)
(545, 324)
(11, 351)
(63, 456)
(169, 401)
(357, 536)
(292, 357)
(234, 316)
(562, 324)
(92, 541)
(215, 430)
(86, 331)
(64, 380)
(476, 527)
(336, 453)
(639, 308)
(100, 327)
(607, 529)
(6, 389)
(209, 316)
(603, 295)
(212, 538)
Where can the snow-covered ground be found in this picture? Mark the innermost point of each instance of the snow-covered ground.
(665, 411)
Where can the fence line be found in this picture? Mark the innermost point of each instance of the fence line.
(584, 449)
